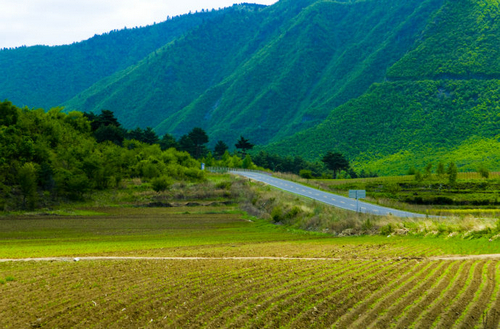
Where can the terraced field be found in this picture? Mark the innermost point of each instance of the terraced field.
(315, 282)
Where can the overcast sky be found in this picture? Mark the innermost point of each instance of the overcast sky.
(56, 22)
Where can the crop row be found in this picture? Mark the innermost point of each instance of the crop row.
(252, 294)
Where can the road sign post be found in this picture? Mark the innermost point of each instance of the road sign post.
(357, 194)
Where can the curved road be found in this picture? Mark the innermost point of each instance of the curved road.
(325, 197)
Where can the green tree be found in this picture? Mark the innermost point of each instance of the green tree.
(336, 162)
(428, 170)
(199, 138)
(150, 136)
(247, 162)
(168, 141)
(137, 134)
(452, 172)
(440, 170)
(27, 179)
(8, 114)
(219, 149)
(162, 183)
(484, 172)
(110, 133)
(244, 145)
(186, 144)
(418, 176)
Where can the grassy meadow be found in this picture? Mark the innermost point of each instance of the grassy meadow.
(234, 269)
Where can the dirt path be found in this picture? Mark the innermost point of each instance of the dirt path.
(90, 258)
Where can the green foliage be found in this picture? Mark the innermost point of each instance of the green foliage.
(440, 171)
(484, 172)
(160, 184)
(244, 145)
(336, 162)
(387, 229)
(57, 153)
(452, 172)
(307, 174)
(27, 178)
(51, 75)
(250, 71)
(418, 176)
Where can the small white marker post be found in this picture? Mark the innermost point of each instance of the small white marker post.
(357, 194)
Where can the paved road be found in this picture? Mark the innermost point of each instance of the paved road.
(325, 197)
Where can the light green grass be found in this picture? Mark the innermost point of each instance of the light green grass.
(166, 232)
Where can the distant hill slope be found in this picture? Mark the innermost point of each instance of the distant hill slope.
(43, 76)
(442, 99)
(266, 73)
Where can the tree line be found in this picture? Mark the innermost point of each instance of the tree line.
(50, 157)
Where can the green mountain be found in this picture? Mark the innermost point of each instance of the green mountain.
(390, 83)
(440, 101)
(263, 73)
(43, 76)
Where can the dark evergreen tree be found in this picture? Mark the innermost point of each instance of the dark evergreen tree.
(168, 141)
(336, 162)
(137, 134)
(244, 145)
(150, 136)
(199, 138)
(219, 149)
(110, 133)
(186, 144)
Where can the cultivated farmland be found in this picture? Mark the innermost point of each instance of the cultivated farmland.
(313, 281)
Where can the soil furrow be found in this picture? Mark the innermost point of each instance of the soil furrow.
(215, 302)
(475, 314)
(295, 312)
(409, 296)
(460, 303)
(282, 295)
(457, 282)
(430, 295)
(330, 309)
(248, 305)
(384, 303)
(363, 307)
(492, 317)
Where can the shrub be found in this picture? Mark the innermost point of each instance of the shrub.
(277, 214)
(161, 184)
(387, 229)
(307, 174)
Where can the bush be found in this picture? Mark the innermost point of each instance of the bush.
(161, 184)
(277, 214)
(387, 229)
(307, 174)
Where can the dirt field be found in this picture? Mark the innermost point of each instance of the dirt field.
(219, 270)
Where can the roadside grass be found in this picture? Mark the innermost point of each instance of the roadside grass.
(470, 195)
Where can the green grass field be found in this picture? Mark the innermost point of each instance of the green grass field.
(320, 281)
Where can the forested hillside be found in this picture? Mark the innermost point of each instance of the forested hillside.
(250, 71)
(440, 101)
(45, 77)
(390, 83)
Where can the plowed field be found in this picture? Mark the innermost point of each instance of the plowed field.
(343, 283)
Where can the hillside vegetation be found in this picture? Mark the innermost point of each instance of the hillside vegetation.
(49, 158)
(45, 77)
(440, 101)
(390, 83)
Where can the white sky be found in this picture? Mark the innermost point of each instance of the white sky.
(56, 22)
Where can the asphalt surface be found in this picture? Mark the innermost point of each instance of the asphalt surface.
(325, 197)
